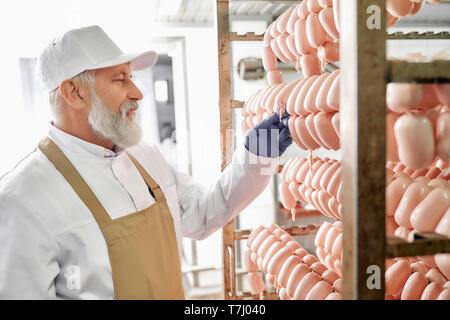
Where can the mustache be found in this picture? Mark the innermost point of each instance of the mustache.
(128, 105)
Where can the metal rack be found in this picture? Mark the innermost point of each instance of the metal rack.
(363, 135)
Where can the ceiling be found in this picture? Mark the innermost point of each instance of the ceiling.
(202, 12)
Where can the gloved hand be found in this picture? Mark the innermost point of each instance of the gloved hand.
(270, 137)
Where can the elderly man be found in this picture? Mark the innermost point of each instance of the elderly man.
(93, 212)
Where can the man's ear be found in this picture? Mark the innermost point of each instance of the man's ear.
(75, 94)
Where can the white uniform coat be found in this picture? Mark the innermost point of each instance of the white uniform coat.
(51, 245)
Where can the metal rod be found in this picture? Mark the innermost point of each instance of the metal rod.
(423, 72)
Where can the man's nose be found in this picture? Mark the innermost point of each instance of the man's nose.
(135, 93)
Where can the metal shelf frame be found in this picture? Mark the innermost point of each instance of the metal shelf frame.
(363, 123)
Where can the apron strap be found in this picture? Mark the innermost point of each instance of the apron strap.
(66, 168)
(154, 187)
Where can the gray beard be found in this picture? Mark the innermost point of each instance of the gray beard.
(114, 126)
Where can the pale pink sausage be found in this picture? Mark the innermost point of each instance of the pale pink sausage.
(283, 19)
(285, 238)
(282, 44)
(299, 105)
(265, 245)
(303, 171)
(414, 287)
(258, 240)
(326, 18)
(293, 132)
(394, 193)
(334, 296)
(396, 276)
(276, 49)
(249, 264)
(314, 31)
(278, 259)
(335, 182)
(293, 245)
(287, 269)
(328, 174)
(315, 182)
(419, 267)
(270, 253)
(286, 168)
(336, 13)
(311, 95)
(443, 262)
(290, 27)
(417, 6)
(310, 65)
(301, 252)
(301, 40)
(274, 77)
(313, 6)
(399, 8)
(270, 103)
(428, 261)
(415, 140)
(309, 259)
(296, 276)
(302, 10)
(293, 188)
(305, 285)
(324, 127)
(443, 136)
(390, 19)
(333, 95)
(429, 97)
(269, 59)
(337, 285)
(336, 249)
(434, 275)
(429, 211)
(391, 143)
(267, 36)
(290, 104)
(330, 276)
(256, 282)
(443, 227)
(402, 97)
(318, 268)
(328, 52)
(319, 240)
(326, 3)
(271, 278)
(294, 169)
(432, 291)
(253, 234)
(321, 100)
(287, 199)
(413, 195)
(273, 29)
(309, 121)
(320, 291)
(283, 294)
(330, 238)
(445, 295)
(442, 91)
(290, 43)
(304, 135)
(439, 183)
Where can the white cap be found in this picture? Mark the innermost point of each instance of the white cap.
(83, 49)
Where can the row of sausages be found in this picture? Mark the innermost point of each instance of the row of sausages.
(316, 181)
(313, 104)
(308, 34)
(295, 273)
(400, 284)
(410, 279)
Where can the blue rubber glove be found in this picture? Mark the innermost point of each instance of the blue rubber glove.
(270, 137)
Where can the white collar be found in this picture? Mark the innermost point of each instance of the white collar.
(72, 144)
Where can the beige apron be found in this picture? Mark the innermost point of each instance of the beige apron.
(142, 246)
